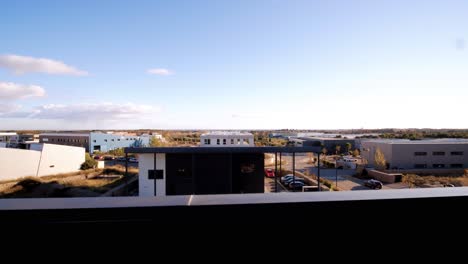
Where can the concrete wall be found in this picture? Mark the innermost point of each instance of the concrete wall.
(146, 186)
(16, 163)
(60, 159)
(51, 159)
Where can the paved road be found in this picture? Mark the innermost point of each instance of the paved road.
(270, 185)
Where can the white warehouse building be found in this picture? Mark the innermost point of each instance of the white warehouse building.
(227, 139)
(96, 141)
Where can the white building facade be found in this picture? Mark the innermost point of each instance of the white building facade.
(227, 139)
(96, 141)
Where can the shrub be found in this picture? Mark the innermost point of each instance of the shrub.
(89, 163)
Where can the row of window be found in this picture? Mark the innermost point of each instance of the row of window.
(67, 140)
(438, 166)
(439, 153)
(105, 140)
(207, 141)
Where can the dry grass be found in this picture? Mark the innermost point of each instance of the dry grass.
(416, 180)
(82, 183)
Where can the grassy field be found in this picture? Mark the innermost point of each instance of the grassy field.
(87, 183)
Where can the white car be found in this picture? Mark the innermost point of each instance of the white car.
(132, 160)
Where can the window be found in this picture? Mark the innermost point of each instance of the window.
(94, 141)
(420, 166)
(420, 153)
(105, 140)
(232, 141)
(224, 141)
(456, 166)
(438, 166)
(217, 141)
(85, 141)
(456, 153)
(207, 141)
(118, 139)
(112, 139)
(238, 141)
(438, 153)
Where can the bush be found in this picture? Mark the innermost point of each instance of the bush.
(89, 163)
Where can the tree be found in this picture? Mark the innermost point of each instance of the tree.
(156, 142)
(324, 151)
(355, 153)
(117, 152)
(348, 147)
(379, 159)
(89, 163)
(337, 149)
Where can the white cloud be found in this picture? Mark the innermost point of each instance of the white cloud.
(8, 108)
(9, 90)
(160, 71)
(23, 64)
(103, 111)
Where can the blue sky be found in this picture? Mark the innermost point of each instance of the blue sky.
(233, 64)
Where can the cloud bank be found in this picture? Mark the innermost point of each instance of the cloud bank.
(23, 64)
(11, 91)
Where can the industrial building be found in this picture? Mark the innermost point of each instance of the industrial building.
(8, 137)
(96, 141)
(227, 139)
(39, 160)
(198, 170)
(325, 142)
(436, 154)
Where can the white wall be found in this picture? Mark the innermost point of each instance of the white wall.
(16, 163)
(146, 186)
(114, 141)
(53, 159)
(60, 159)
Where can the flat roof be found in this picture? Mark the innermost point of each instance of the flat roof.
(7, 134)
(223, 150)
(324, 138)
(65, 134)
(227, 133)
(423, 141)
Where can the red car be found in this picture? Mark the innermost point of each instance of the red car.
(270, 173)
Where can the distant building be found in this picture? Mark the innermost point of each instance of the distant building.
(433, 154)
(8, 137)
(39, 160)
(328, 143)
(227, 139)
(96, 141)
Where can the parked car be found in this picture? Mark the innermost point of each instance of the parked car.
(297, 185)
(449, 185)
(290, 180)
(269, 173)
(121, 158)
(109, 158)
(132, 160)
(374, 184)
(287, 177)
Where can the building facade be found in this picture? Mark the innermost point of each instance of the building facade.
(198, 170)
(328, 143)
(96, 141)
(8, 137)
(227, 139)
(418, 154)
